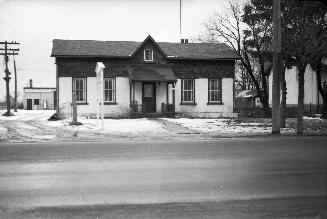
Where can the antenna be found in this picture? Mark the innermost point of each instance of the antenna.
(180, 20)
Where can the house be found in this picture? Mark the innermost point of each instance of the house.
(146, 77)
(247, 99)
(39, 98)
(312, 98)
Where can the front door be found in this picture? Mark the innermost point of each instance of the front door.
(149, 97)
(29, 104)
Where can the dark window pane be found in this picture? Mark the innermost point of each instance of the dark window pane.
(76, 84)
(106, 84)
(111, 96)
(110, 84)
(215, 84)
(80, 84)
(215, 96)
(189, 95)
(106, 95)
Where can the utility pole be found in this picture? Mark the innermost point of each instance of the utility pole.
(7, 78)
(276, 68)
(15, 106)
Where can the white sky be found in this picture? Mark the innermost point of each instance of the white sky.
(35, 23)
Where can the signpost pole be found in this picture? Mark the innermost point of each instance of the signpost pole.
(74, 110)
(99, 75)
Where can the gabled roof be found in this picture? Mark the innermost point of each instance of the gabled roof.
(149, 38)
(123, 49)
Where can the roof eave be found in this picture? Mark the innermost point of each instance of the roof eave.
(47, 88)
(88, 56)
(201, 58)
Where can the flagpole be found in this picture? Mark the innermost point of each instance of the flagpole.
(180, 20)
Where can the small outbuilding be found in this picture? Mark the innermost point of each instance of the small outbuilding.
(39, 98)
(247, 99)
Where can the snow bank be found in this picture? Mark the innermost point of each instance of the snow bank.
(226, 126)
(25, 115)
(127, 127)
(221, 126)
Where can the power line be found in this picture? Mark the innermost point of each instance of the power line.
(8, 51)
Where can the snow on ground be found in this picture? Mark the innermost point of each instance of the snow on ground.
(33, 125)
(221, 126)
(318, 118)
(25, 115)
(227, 126)
(130, 127)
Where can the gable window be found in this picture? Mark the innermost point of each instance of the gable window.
(214, 91)
(110, 90)
(148, 55)
(36, 102)
(188, 91)
(79, 88)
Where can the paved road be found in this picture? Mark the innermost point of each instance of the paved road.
(54, 174)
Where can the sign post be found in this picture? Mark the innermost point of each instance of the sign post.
(74, 122)
(99, 80)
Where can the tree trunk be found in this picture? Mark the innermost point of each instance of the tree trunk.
(301, 69)
(322, 92)
(265, 104)
(283, 102)
(324, 106)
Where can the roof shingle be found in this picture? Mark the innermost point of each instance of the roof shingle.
(92, 48)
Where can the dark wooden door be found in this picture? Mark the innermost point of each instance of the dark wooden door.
(29, 104)
(149, 97)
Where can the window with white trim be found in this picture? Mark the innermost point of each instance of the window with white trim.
(148, 55)
(214, 91)
(109, 90)
(188, 91)
(79, 88)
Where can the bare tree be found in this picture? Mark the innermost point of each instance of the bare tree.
(247, 38)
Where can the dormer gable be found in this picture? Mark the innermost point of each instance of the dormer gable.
(149, 52)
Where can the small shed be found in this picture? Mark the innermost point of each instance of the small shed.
(39, 98)
(247, 99)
